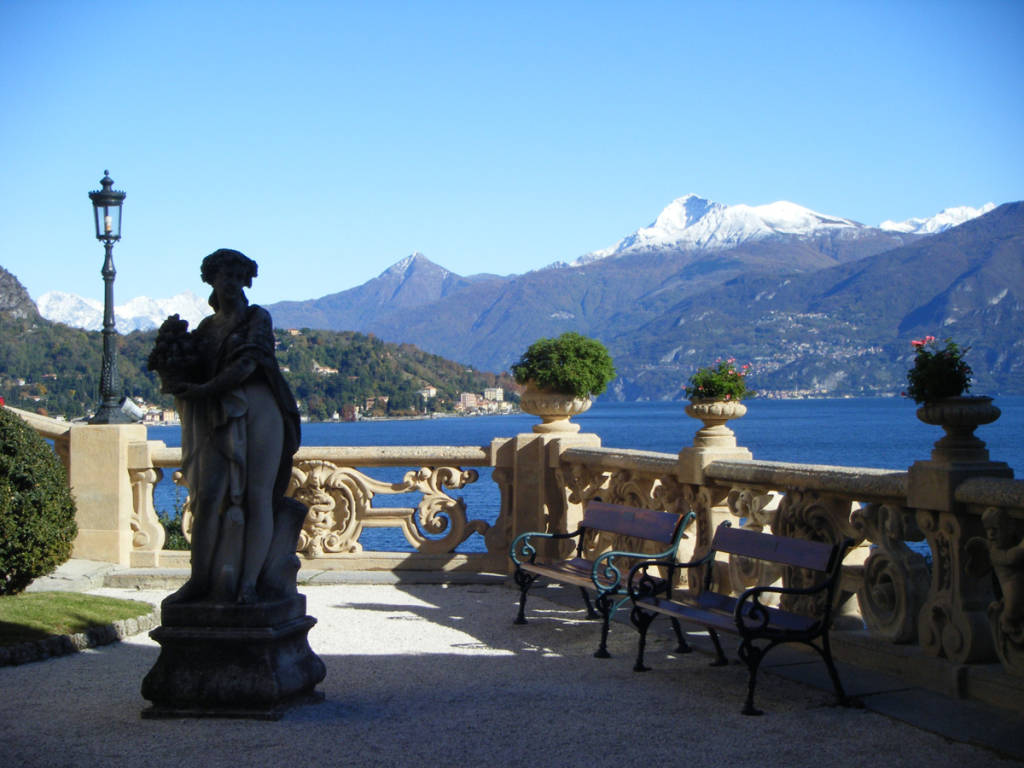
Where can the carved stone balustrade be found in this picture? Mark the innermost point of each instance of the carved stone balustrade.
(341, 502)
(939, 560)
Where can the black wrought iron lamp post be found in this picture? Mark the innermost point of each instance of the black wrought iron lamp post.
(106, 205)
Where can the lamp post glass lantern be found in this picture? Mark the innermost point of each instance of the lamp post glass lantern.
(106, 203)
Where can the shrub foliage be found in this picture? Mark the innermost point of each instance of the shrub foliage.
(37, 513)
(571, 364)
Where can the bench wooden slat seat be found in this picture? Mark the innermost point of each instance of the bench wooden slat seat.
(760, 626)
(605, 576)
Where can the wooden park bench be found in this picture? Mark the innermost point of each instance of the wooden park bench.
(760, 626)
(605, 575)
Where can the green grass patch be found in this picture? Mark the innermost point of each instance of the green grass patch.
(36, 615)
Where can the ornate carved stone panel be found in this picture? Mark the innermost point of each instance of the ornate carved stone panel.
(755, 507)
(953, 621)
(817, 517)
(340, 506)
(895, 576)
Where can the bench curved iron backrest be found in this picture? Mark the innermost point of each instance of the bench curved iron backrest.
(799, 553)
(650, 524)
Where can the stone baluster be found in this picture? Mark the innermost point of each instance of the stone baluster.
(499, 536)
(148, 532)
(953, 621)
(895, 576)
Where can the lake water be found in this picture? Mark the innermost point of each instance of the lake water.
(870, 432)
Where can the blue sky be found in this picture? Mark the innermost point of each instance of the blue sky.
(328, 140)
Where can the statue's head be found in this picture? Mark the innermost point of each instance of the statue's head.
(225, 257)
(997, 527)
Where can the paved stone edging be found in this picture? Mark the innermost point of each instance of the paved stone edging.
(60, 645)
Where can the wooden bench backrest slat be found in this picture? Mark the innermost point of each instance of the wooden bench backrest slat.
(651, 524)
(800, 553)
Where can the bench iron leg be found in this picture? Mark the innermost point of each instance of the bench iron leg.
(683, 646)
(523, 580)
(720, 660)
(641, 620)
(751, 656)
(591, 613)
(826, 654)
(604, 605)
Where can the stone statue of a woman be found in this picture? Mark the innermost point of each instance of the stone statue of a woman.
(239, 431)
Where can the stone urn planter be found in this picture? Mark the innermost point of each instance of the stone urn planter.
(553, 408)
(959, 417)
(714, 414)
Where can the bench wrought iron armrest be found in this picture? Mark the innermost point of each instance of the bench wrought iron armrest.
(607, 576)
(642, 584)
(758, 610)
(523, 551)
(753, 616)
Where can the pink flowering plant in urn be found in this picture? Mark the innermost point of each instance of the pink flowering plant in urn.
(938, 372)
(937, 382)
(722, 381)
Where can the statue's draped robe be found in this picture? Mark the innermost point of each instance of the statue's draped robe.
(215, 438)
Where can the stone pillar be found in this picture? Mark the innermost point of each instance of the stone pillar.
(102, 490)
(713, 442)
(538, 497)
(953, 621)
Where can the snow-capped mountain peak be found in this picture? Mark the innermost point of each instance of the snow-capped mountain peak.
(940, 222)
(694, 223)
(139, 314)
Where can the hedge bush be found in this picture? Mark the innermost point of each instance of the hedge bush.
(37, 513)
(571, 364)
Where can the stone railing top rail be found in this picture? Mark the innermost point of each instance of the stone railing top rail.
(364, 455)
(992, 492)
(622, 458)
(44, 425)
(862, 483)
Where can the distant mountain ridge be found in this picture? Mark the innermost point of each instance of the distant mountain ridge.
(689, 224)
(140, 314)
(705, 280)
(846, 329)
(413, 282)
(940, 222)
(693, 223)
(15, 303)
(632, 300)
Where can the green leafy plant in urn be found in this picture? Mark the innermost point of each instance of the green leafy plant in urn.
(560, 376)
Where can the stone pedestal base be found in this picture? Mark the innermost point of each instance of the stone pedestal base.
(227, 660)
